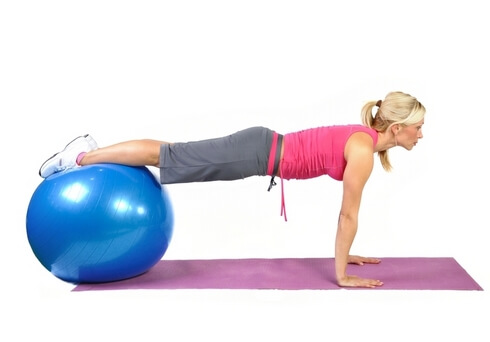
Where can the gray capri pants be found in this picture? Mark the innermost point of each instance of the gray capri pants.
(236, 156)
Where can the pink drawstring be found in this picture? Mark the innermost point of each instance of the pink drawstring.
(270, 171)
(283, 202)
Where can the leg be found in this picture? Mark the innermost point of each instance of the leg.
(83, 151)
(132, 153)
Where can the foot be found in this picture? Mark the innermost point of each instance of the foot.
(67, 158)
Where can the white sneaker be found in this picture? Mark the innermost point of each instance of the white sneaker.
(67, 158)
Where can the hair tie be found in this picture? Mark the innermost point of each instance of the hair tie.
(379, 103)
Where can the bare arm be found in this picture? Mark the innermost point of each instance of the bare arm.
(359, 156)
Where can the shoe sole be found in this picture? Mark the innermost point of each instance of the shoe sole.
(54, 155)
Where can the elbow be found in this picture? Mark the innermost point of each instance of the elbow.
(347, 215)
(347, 219)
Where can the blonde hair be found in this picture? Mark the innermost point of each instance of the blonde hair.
(397, 108)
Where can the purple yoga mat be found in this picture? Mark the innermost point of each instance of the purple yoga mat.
(294, 274)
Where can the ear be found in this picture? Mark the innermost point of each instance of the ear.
(395, 129)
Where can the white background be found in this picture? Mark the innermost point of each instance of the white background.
(185, 70)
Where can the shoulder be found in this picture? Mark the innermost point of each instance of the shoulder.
(361, 142)
(359, 157)
(359, 151)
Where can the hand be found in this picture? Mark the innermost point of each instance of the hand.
(355, 281)
(358, 260)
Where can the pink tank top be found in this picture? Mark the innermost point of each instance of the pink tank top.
(319, 151)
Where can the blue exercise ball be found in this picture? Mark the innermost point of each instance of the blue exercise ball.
(99, 223)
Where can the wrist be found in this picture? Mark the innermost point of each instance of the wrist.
(340, 277)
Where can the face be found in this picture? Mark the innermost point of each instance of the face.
(408, 136)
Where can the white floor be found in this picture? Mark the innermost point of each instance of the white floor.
(189, 70)
(46, 308)
(37, 303)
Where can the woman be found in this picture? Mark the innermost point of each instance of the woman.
(345, 153)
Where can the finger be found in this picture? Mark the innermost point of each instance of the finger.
(376, 283)
(372, 283)
(372, 260)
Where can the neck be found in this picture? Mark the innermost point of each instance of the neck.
(386, 140)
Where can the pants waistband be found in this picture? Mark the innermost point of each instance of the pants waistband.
(275, 154)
